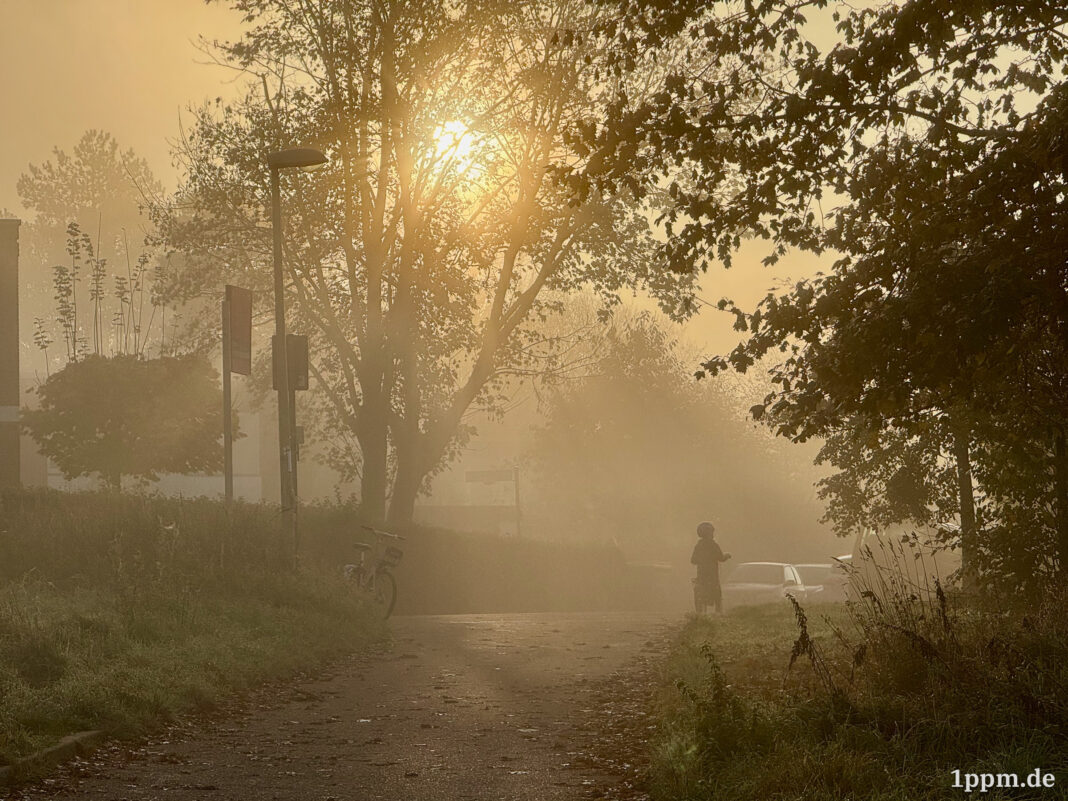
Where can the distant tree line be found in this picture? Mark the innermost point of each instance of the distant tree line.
(635, 451)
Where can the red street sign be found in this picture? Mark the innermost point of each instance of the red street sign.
(240, 302)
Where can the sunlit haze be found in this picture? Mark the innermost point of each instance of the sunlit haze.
(379, 419)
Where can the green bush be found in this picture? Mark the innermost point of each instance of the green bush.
(128, 416)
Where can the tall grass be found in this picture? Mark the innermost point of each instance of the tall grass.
(135, 541)
(881, 699)
(119, 611)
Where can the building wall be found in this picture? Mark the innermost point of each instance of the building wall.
(10, 447)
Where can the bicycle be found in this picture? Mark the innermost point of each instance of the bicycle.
(374, 577)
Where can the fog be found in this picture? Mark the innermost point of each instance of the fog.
(136, 71)
(120, 66)
(532, 400)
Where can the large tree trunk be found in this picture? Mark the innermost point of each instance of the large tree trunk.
(373, 438)
(405, 491)
(967, 509)
(1060, 489)
(412, 461)
(411, 470)
(374, 372)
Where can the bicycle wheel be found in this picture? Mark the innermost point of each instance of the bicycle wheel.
(385, 592)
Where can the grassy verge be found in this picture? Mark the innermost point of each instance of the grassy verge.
(117, 613)
(882, 702)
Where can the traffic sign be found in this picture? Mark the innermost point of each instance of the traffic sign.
(239, 339)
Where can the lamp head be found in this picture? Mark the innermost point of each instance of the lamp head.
(303, 157)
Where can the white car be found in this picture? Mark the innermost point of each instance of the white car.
(824, 582)
(762, 582)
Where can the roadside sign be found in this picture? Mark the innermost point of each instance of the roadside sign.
(297, 359)
(499, 477)
(239, 301)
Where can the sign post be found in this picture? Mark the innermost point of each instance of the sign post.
(294, 362)
(496, 476)
(518, 515)
(237, 358)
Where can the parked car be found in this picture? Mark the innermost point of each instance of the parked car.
(825, 581)
(762, 582)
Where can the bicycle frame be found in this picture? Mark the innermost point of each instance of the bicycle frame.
(367, 572)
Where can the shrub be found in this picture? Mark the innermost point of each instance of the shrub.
(128, 416)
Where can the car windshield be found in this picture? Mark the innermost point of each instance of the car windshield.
(815, 574)
(752, 573)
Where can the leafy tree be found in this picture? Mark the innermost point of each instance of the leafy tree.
(87, 212)
(422, 259)
(126, 416)
(97, 179)
(945, 323)
(961, 76)
(941, 124)
(886, 475)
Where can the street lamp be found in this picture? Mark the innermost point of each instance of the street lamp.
(302, 157)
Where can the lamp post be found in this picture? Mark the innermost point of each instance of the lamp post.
(301, 157)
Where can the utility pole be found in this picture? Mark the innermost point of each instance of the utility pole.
(228, 427)
(237, 358)
(281, 371)
(302, 158)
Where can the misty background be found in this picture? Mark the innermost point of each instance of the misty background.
(627, 448)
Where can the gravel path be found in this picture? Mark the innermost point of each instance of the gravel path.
(487, 707)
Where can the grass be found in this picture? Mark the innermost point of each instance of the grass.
(116, 613)
(883, 700)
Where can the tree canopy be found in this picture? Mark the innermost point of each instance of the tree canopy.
(925, 149)
(423, 257)
(127, 416)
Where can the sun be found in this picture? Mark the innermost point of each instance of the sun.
(454, 146)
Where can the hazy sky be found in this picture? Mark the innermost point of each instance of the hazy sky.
(133, 67)
(129, 67)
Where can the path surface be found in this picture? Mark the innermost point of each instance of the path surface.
(535, 707)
